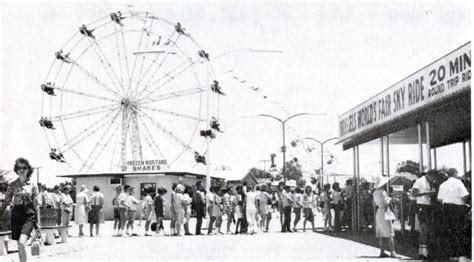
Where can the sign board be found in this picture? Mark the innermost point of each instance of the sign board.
(442, 78)
(144, 165)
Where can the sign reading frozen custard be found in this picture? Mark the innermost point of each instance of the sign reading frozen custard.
(144, 165)
(446, 76)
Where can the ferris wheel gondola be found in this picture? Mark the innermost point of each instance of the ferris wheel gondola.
(128, 87)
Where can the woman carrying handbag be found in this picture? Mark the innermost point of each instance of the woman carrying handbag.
(383, 217)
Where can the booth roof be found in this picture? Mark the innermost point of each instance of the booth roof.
(119, 174)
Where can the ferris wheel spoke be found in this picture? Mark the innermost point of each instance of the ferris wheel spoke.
(166, 53)
(129, 86)
(101, 138)
(181, 115)
(186, 64)
(167, 132)
(94, 78)
(85, 94)
(170, 95)
(125, 129)
(102, 149)
(85, 112)
(124, 46)
(85, 133)
(150, 138)
(109, 65)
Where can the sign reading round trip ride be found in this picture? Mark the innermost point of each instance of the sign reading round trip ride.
(444, 77)
(144, 165)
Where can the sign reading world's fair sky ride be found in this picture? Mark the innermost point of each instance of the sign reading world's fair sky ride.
(447, 76)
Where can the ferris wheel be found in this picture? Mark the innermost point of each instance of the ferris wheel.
(129, 87)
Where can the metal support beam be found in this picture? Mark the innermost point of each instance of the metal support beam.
(470, 155)
(435, 158)
(358, 190)
(428, 145)
(381, 157)
(387, 152)
(420, 149)
(464, 156)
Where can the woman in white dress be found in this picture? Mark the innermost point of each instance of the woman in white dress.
(383, 228)
(81, 214)
(251, 210)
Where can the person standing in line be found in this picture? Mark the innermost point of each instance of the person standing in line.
(307, 202)
(187, 208)
(173, 209)
(160, 203)
(147, 209)
(21, 195)
(422, 191)
(96, 215)
(116, 204)
(338, 204)
(263, 198)
(325, 204)
(66, 206)
(297, 206)
(56, 202)
(238, 203)
(218, 210)
(348, 194)
(251, 210)
(287, 203)
(210, 197)
(81, 215)
(383, 227)
(453, 195)
(132, 203)
(179, 208)
(228, 208)
(199, 205)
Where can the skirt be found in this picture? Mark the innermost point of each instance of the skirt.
(308, 214)
(23, 221)
(238, 213)
(383, 228)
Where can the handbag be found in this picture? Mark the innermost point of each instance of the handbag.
(389, 215)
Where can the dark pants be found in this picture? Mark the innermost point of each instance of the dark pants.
(454, 221)
(287, 221)
(199, 216)
(297, 216)
(348, 213)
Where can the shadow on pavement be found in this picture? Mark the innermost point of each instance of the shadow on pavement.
(406, 246)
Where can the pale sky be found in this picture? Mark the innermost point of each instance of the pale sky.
(334, 56)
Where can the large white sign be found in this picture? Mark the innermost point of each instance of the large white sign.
(144, 165)
(444, 77)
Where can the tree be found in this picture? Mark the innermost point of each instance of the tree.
(408, 166)
(293, 170)
(258, 173)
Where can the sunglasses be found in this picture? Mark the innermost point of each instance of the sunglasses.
(22, 168)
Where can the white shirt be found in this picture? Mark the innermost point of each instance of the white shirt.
(132, 202)
(423, 186)
(452, 191)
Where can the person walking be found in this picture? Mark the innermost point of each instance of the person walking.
(383, 225)
(96, 215)
(82, 209)
(21, 196)
(286, 203)
(308, 205)
(228, 207)
(297, 207)
(199, 204)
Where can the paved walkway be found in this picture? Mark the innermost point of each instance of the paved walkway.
(268, 246)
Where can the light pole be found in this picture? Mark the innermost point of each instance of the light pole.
(322, 149)
(283, 148)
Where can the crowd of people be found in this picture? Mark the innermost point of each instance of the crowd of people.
(439, 200)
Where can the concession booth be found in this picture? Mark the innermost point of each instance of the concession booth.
(429, 109)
